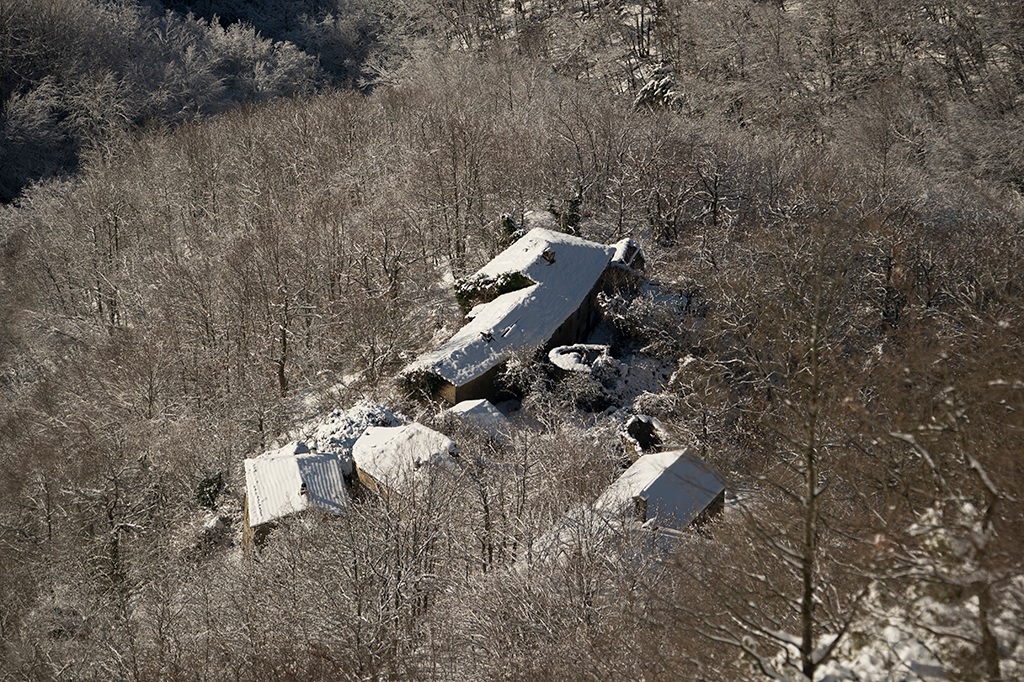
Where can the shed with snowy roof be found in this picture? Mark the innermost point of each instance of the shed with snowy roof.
(279, 485)
(395, 459)
(581, 530)
(670, 489)
(538, 293)
(481, 415)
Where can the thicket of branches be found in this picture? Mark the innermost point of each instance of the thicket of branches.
(837, 188)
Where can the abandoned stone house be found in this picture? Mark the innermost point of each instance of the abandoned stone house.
(538, 293)
(666, 492)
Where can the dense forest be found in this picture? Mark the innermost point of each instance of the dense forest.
(223, 219)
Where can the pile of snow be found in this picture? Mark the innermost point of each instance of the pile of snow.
(589, 358)
(294, 447)
(543, 218)
(628, 254)
(339, 430)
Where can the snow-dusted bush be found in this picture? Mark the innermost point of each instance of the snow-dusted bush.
(478, 289)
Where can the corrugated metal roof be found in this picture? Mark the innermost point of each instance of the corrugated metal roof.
(280, 485)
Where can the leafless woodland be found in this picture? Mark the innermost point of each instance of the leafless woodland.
(221, 223)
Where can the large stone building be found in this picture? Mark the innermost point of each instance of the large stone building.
(538, 293)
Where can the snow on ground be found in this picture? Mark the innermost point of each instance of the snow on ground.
(635, 383)
(339, 430)
(581, 527)
(336, 432)
(892, 643)
(641, 378)
(913, 635)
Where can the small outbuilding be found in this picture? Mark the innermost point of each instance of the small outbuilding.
(394, 459)
(667, 490)
(481, 415)
(280, 485)
(674, 489)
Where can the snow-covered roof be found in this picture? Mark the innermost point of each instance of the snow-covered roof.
(394, 455)
(677, 486)
(580, 526)
(526, 318)
(277, 486)
(481, 414)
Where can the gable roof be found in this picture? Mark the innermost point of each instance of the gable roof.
(396, 455)
(481, 414)
(526, 318)
(580, 527)
(677, 486)
(274, 485)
